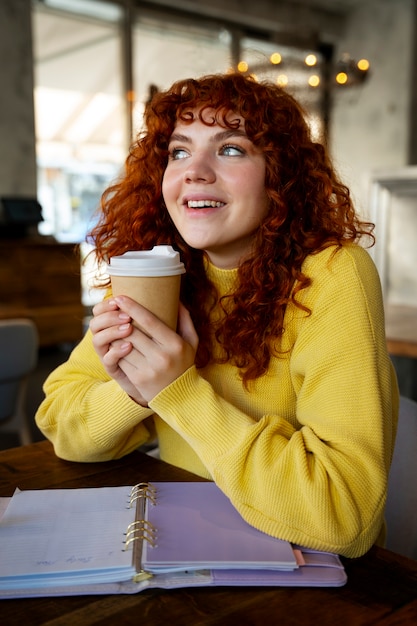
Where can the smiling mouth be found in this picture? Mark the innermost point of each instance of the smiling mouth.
(201, 204)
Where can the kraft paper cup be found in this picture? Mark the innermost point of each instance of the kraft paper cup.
(150, 277)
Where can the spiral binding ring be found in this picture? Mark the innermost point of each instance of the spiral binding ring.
(144, 525)
(142, 490)
(140, 530)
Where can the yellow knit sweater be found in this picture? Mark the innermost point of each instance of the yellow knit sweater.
(304, 453)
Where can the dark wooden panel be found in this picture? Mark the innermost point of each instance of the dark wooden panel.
(41, 280)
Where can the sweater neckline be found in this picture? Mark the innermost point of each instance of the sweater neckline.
(225, 279)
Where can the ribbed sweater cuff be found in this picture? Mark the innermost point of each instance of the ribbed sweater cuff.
(125, 413)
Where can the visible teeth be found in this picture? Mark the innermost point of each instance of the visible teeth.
(199, 204)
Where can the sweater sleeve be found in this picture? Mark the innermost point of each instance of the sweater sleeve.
(320, 480)
(86, 414)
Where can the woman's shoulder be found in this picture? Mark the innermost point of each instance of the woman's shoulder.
(348, 267)
(338, 258)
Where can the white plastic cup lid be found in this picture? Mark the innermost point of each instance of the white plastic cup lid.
(160, 261)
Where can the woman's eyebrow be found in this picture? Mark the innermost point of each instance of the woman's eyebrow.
(220, 136)
(180, 138)
(229, 134)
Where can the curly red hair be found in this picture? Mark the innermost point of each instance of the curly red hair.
(309, 209)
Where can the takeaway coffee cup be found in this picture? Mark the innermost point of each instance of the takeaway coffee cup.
(150, 277)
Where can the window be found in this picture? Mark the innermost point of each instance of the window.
(79, 114)
(166, 51)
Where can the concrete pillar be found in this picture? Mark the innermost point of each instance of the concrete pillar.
(17, 125)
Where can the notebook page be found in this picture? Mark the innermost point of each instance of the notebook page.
(198, 527)
(59, 533)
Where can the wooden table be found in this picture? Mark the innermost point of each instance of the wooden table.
(381, 587)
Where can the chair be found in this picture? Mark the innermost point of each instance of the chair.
(401, 508)
(18, 358)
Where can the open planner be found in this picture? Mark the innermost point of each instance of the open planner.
(127, 539)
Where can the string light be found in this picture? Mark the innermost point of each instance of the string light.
(275, 58)
(341, 78)
(310, 60)
(363, 65)
(314, 80)
(346, 71)
(350, 72)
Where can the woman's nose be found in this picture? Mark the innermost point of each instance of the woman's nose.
(200, 169)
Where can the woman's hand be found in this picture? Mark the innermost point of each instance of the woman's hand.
(146, 357)
(110, 328)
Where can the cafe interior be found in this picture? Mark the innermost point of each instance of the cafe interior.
(76, 76)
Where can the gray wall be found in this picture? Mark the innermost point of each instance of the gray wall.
(371, 124)
(17, 130)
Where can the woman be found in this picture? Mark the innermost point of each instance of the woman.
(277, 384)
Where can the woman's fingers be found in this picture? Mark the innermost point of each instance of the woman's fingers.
(159, 355)
(108, 325)
(138, 350)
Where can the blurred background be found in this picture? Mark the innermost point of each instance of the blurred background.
(76, 76)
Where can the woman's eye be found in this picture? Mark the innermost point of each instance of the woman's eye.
(230, 150)
(177, 153)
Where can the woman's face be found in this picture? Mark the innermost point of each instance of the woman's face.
(214, 189)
